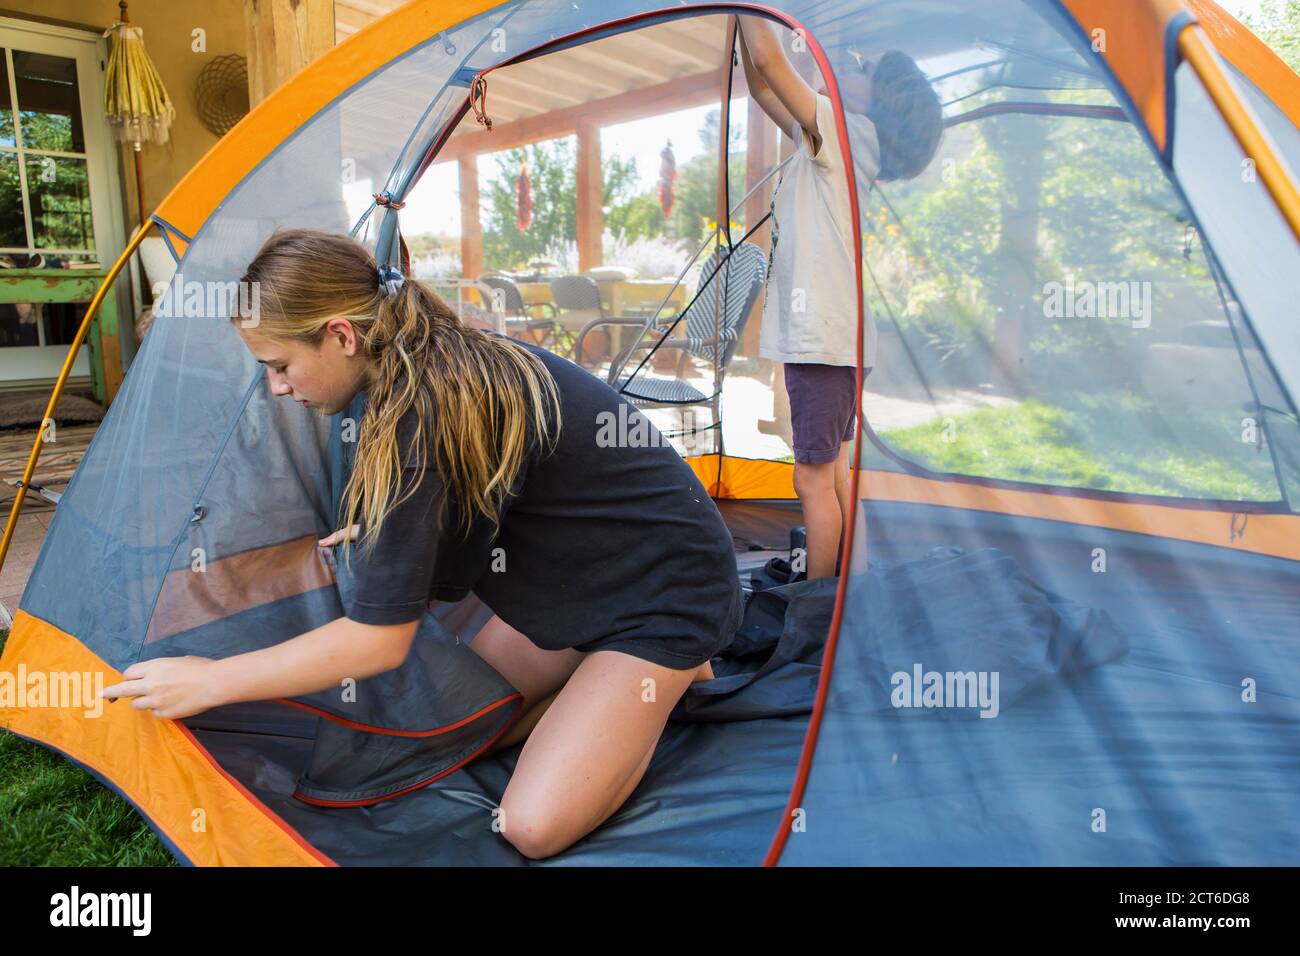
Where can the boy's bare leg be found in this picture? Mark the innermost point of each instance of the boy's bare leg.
(823, 517)
(844, 492)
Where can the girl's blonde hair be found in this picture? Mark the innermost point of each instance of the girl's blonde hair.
(490, 402)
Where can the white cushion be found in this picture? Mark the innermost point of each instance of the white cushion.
(611, 273)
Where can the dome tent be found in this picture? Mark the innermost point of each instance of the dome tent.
(1152, 684)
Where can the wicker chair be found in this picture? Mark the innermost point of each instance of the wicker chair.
(694, 332)
(519, 315)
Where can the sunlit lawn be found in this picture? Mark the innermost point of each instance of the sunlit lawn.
(53, 813)
(1111, 442)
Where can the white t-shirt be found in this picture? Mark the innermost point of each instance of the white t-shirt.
(810, 308)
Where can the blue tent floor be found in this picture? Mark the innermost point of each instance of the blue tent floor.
(1184, 771)
(1160, 739)
(712, 795)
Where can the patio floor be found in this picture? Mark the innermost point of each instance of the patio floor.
(57, 462)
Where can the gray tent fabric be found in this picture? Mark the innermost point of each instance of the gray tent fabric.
(441, 708)
(774, 662)
(974, 613)
(423, 791)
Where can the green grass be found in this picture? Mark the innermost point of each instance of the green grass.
(53, 813)
(1114, 442)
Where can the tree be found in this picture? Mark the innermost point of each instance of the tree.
(1278, 25)
(552, 167)
(697, 181)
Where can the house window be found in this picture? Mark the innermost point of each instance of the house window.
(45, 213)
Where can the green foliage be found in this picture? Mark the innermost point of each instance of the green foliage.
(1278, 24)
(628, 212)
(1014, 202)
(552, 168)
(1120, 441)
(696, 208)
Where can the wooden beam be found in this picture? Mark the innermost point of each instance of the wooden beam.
(471, 229)
(283, 37)
(530, 97)
(552, 69)
(372, 7)
(677, 45)
(598, 59)
(515, 102)
(682, 93)
(591, 197)
(350, 21)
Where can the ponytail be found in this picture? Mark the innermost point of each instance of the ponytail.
(485, 401)
(482, 404)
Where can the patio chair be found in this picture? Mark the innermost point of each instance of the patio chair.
(519, 316)
(578, 299)
(693, 332)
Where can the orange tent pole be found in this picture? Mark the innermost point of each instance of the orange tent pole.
(77, 339)
(1193, 46)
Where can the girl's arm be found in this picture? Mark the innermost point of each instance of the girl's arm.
(759, 90)
(320, 659)
(314, 661)
(769, 59)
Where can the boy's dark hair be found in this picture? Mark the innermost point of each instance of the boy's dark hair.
(908, 117)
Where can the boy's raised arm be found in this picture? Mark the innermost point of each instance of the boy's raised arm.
(758, 88)
(760, 40)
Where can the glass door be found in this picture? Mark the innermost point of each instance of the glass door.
(55, 174)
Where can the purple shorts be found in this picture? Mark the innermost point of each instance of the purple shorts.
(822, 406)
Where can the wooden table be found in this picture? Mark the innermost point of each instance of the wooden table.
(102, 357)
(621, 298)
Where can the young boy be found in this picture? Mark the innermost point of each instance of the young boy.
(810, 311)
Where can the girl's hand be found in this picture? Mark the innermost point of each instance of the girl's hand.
(339, 535)
(171, 687)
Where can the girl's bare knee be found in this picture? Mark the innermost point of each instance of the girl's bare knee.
(531, 830)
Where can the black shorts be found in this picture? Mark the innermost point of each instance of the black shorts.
(822, 406)
(674, 648)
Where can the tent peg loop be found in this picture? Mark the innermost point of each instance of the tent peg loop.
(478, 100)
(385, 198)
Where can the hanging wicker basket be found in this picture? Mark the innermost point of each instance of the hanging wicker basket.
(222, 92)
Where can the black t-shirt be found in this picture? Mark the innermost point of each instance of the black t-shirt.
(611, 542)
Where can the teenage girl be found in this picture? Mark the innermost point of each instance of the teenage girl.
(615, 582)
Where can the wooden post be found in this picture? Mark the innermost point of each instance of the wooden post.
(283, 37)
(591, 224)
(591, 197)
(104, 330)
(471, 229)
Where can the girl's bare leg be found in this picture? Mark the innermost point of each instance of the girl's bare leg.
(589, 750)
(536, 673)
